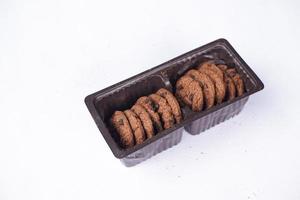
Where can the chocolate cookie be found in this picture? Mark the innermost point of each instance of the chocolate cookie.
(121, 125)
(181, 90)
(214, 74)
(173, 103)
(238, 81)
(136, 126)
(197, 92)
(206, 84)
(164, 110)
(190, 92)
(211, 65)
(230, 87)
(145, 119)
(147, 103)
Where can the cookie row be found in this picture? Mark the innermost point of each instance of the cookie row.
(147, 117)
(209, 84)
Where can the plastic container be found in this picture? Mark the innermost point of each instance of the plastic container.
(123, 95)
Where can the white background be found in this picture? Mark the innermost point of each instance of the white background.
(54, 53)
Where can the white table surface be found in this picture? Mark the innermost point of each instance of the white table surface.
(54, 53)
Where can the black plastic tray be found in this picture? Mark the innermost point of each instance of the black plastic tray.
(123, 95)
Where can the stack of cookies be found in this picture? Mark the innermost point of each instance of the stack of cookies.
(200, 88)
(150, 115)
(209, 84)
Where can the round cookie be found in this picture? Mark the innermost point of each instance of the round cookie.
(121, 125)
(197, 92)
(191, 93)
(207, 86)
(210, 70)
(145, 119)
(230, 87)
(149, 106)
(181, 86)
(164, 110)
(238, 81)
(136, 126)
(211, 65)
(173, 103)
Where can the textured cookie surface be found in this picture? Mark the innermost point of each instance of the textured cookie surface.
(147, 103)
(190, 92)
(230, 87)
(164, 110)
(211, 66)
(197, 94)
(136, 126)
(217, 80)
(145, 119)
(206, 84)
(122, 126)
(181, 90)
(238, 81)
(172, 101)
